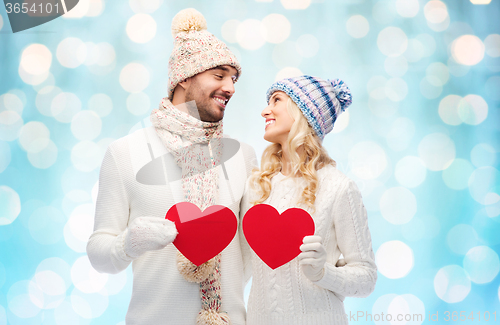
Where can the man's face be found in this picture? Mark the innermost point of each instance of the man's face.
(211, 90)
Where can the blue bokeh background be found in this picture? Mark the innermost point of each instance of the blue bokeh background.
(421, 139)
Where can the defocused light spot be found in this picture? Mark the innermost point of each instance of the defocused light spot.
(367, 160)
(145, 6)
(101, 104)
(473, 109)
(96, 8)
(467, 50)
(46, 225)
(457, 69)
(482, 182)
(452, 284)
(400, 134)
(86, 156)
(115, 284)
(382, 108)
(44, 158)
(415, 50)
(228, 30)
(384, 12)
(307, 45)
(288, 72)
(392, 41)
(448, 109)
(138, 103)
(407, 8)
(44, 99)
(295, 4)
(357, 26)
(407, 304)
(89, 306)
(461, 238)
(428, 43)
(5, 157)
(1, 25)
(414, 230)
(456, 176)
(394, 259)
(492, 85)
(480, 2)
(435, 12)
(71, 52)
(51, 288)
(396, 89)
(107, 54)
(86, 125)
(398, 205)
(64, 314)
(410, 171)
(65, 106)
(396, 66)
(437, 151)
(86, 278)
(11, 102)
(285, 55)
(79, 227)
(58, 266)
(492, 45)
(93, 53)
(341, 123)
(250, 34)
(20, 302)
(376, 87)
(483, 155)
(79, 11)
(141, 28)
(11, 205)
(134, 77)
(31, 79)
(277, 28)
(482, 264)
(73, 199)
(10, 125)
(439, 71)
(34, 136)
(36, 59)
(430, 87)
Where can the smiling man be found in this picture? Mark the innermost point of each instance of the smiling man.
(139, 182)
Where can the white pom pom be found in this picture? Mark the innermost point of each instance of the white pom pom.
(187, 20)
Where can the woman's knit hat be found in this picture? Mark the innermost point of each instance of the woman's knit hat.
(321, 101)
(195, 49)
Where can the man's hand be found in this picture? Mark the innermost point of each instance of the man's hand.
(313, 257)
(147, 234)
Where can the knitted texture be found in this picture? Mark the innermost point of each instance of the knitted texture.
(195, 49)
(200, 187)
(321, 101)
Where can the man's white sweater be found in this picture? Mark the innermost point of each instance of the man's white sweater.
(160, 294)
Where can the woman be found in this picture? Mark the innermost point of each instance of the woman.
(296, 171)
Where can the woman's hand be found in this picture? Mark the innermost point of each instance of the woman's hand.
(313, 257)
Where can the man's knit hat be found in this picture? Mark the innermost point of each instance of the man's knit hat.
(321, 101)
(195, 49)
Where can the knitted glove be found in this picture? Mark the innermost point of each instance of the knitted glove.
(313, 257)
(146, 234)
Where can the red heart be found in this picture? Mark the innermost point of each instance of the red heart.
(276, 238)
(201, 236)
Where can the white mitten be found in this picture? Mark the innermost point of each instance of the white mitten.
(147, 234)
(313, 257)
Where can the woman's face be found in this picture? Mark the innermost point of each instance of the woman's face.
(278, 120)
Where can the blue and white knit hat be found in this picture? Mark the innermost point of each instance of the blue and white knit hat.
(321, 101)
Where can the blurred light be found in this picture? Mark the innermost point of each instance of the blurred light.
(396, 66)
(11, 102)
(285, 55)
(398, 205)
(439, 71)
(74, 198)
(482, 264)
(96, 7)
(473, 109)
(400, 134)
(448, 109)
(1, 25)
(307, 45)
(115, 284)
(145, 6)
(101, 104)
(58, 266)
(10, 125)
(480, 2)
(376, 87)
(288, 72)
(5, 157)
(435, 12)
(86, 156)
(20, 301)
(51, 288)
(341, 123)
(80, 10)
(65, 106)
(49, 81)
(394, 259)
(483, 155)
(415, 50)
(249, 34)
(277, 28)
(492, 45)
(492, 85)
(32, 79)
(439, 27)
(457, 69)
(396, 89)
(44, 158)
(414, 230)
(138, 103)
(428, 43)
(88, 305)
(64, 314)
(382, 108)
(483, 182)
(407, 304)
(437, 151)
(107, 54)
(79, 227)
(134, 77)
(357, 26)
(452, 284)
(367, 160)
(93, 53)
(11, 205)
(3, 314)
(456, 176)
(141, 28)
(34, 136)
(86, 278)
(407, 8)
(228, 30)
(467, 50)
(71, 52)
(461, 238)
(295, 4)
(86, 125)
(410, 171)
(430, 87)
(384, 12)
(36, 59)
(392, 41)
(44, 99)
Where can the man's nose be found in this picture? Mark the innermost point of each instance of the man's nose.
(228, 87)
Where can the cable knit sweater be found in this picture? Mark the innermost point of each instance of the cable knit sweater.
(284, 295)
(160, 294)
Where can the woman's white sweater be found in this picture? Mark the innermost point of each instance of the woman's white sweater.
(284, 295)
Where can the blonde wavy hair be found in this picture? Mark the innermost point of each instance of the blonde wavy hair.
(307, 156)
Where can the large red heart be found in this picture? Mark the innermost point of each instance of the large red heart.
(276, 238)
(201, 236)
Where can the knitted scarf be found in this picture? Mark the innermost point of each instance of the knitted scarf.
(196, 157)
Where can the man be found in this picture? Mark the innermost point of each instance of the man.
(150, 170)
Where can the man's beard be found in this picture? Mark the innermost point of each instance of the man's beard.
(202, 108)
